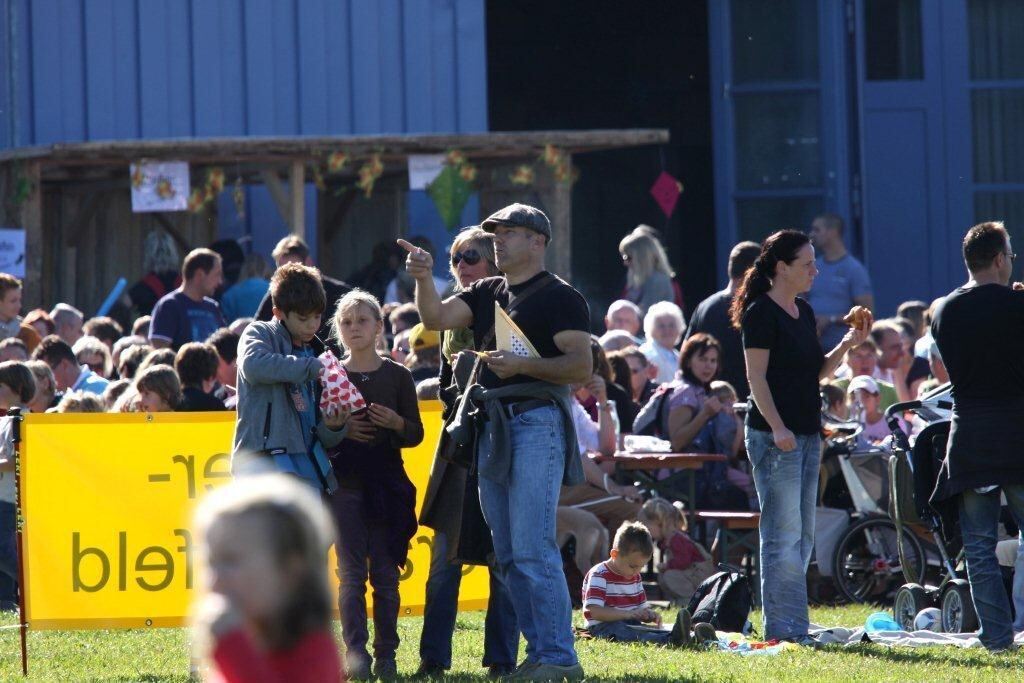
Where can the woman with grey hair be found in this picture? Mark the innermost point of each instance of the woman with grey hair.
(663, 326)
(450, 488)
(162, 265)
(94, 354)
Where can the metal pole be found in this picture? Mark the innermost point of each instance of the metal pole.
(16, 418)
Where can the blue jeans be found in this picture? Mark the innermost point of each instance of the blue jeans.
(521, 516)
(1018, 584)
(620, 631)
(787, 489)
(979, 522)
(501, 632)
(8, 556)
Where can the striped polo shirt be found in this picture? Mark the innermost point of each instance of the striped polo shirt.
(605, 588)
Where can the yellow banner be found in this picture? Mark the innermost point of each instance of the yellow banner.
(107, 502)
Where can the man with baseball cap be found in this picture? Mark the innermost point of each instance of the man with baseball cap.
(527, 446)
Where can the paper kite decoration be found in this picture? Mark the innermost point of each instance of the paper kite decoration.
(666, 191)
(450, 191)
(509, 337)
(339, 391)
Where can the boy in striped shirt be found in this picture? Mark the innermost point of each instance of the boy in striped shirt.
(614, 602)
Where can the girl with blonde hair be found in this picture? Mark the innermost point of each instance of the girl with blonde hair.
(684, 562)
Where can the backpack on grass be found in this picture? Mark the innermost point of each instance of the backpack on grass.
(723, 600)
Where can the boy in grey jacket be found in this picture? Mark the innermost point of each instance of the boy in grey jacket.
(279, 425)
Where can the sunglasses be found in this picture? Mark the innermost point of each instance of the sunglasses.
(470, 256)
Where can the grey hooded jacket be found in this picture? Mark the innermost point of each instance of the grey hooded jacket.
(265, 367)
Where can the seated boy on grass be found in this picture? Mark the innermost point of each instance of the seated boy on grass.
(614, 601)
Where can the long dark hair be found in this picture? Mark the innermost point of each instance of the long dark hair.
(780, 246)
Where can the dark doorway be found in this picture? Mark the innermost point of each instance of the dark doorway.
(553, 65)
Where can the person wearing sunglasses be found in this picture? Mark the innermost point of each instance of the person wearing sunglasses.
(94, 354)
(471, 258)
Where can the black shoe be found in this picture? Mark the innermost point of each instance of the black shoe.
(680, 634)
(704, 633)
(430, 669)
(500, 670)
(385, 669)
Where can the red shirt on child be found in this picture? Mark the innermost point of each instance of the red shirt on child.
(313, 659)
(682, 552)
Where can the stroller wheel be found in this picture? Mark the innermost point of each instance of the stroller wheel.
(866, 565)
(911, 598)
(958, 615)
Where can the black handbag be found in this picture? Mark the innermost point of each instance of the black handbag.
(474, 544)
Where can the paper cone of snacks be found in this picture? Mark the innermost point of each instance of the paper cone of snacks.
(339, 392)
(509, 337)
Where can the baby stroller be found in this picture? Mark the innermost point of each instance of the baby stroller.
(913, 471)
(867, 564)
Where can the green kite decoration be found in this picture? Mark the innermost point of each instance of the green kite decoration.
(450, 192)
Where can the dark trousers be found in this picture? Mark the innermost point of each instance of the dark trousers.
(501, 630)
(362, 550)
(8, 556)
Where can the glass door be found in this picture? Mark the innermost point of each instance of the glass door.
(779, 116)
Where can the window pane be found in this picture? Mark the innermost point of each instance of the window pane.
(777, 144)
(759, 218)
(774, 40)
(1003, 206)
(893, 40)
(998, 136)
(996, 30)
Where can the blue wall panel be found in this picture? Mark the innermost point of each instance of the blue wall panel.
(121, 69)
(126, 69)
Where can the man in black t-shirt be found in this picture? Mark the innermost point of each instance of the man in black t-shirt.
(519, 506)
(712, 317)
(978, 329)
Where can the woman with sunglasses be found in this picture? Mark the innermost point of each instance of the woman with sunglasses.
(648, 273)
(471, 259)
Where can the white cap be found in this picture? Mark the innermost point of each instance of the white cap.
(864, 382)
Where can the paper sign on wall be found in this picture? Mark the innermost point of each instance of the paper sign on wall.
(12, 252)
(160, 186)
(423, 168)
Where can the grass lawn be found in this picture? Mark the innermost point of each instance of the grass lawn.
(162, 655)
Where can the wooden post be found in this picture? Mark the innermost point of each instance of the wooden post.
(32, 222)
(297, 219)
(21, 206)
(560, 206)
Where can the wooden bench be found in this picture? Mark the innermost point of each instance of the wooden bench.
(738, 529)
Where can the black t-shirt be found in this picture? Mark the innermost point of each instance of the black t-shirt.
(712, 317)
(795, 358)
(979, 332)
(195, 400)
(919, 369)
(557, 307)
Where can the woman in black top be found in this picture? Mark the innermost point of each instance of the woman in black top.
(784, 365)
